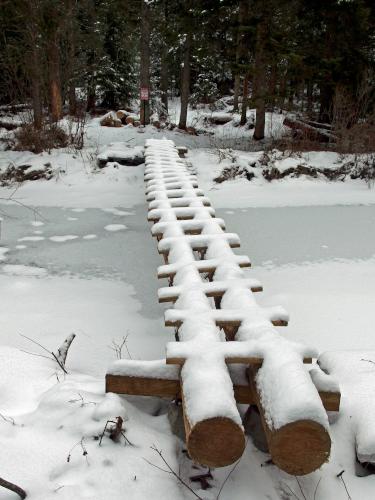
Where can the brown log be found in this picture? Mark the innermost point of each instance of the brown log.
(309, 132)
(203, 269)
(216, 293)
(214, 442)
(142, 386)
(162, 388)
(230, 325)
(297, 448)
(200, 248)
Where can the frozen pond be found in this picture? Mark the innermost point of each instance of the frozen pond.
(114, 244)
(293, 235)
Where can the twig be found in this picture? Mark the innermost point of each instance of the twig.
(339, 475)
(10, 420)
(61, 355)
(316, 488)
(292, 492)
(117, 348)
(368, 361)
(230, 473)
(171, 471)
(13, 487)
(84, 450)
(300, 487)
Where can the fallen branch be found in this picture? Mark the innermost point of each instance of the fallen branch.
(169, 470)
(59, 357)
(13, 487)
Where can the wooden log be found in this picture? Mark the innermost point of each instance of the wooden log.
(162, 388)
(173, 296)
(214, 442)
(142, 386)
(231, 325)
(203, 267)
(309, 132)
(297, 448)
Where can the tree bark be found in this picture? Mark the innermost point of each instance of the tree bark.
(240, 50)
(260, 76)
(36, 87)
(71, 58)
(54, 78)
(185, 82)
(245, 99)
(237, 88)
(13, 487)
(164, 79)
(145, 60)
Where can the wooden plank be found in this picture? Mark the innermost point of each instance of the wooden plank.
(214, 294)
(147, 386)
(230, 324)
(232, 360)
(203, 268)
(200, 248)
(139, 386)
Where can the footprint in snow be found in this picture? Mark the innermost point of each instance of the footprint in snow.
(115, 227)
(62, 239)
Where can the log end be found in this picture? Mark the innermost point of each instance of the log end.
(215, 442)
(300, 447)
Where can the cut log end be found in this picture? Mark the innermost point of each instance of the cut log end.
(300, 447)
(215, 442)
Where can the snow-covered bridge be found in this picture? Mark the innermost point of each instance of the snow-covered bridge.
(226, 349)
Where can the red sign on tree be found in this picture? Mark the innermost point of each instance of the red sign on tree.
(144, 93)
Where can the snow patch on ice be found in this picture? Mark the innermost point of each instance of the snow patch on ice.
(21, 270)
(115, 227)
(62, 239)
(31, 238)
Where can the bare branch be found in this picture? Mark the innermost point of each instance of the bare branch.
(13, 487)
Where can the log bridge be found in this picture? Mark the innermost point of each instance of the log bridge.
(227, 350)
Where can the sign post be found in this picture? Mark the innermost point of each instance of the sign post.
(144, 98)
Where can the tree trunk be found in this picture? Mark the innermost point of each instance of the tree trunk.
(71, 58)
(237, 88)
(145, 60)
(54, 79)
(245, 99)
(240, 50)
(36, 87)
(309, 92)
(185, 82)
(260, 77)
(164, 80)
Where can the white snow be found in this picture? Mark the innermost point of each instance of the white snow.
(63, 238)
(115, 227)
(330, 299)
(31, 238)
(21, 270)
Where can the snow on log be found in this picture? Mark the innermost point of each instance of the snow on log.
(310, 131)
(158, 379)
(214, 334)
(355, 370)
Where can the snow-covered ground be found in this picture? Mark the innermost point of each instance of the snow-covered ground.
(85, 262)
